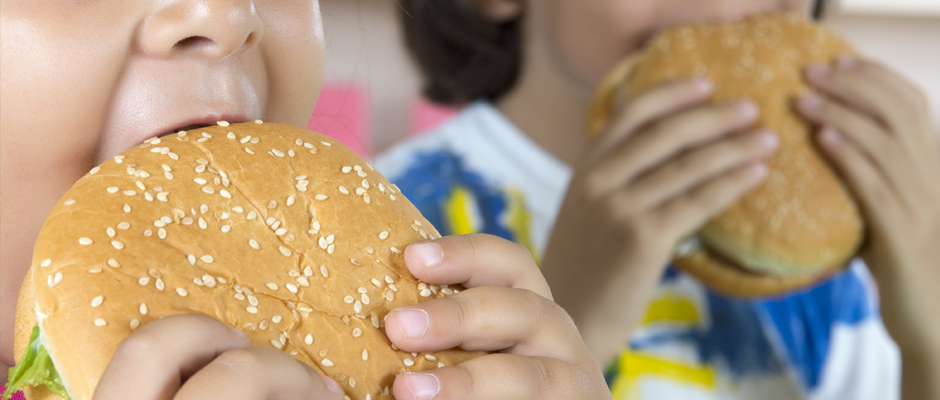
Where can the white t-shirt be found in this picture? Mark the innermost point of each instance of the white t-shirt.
(479, 173)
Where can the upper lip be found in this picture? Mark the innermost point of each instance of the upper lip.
(197, 122)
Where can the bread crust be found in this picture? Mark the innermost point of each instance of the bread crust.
(802, 223)
(280, 232)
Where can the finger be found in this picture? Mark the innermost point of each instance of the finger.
(878, 200)
(699, 166)
(487, 318)
(874, 94)
(665, 139)
(504, 377)
(685, 214)
(153, 361)
(257, 373)
(870, 138)
(652, 104)
(476, 260)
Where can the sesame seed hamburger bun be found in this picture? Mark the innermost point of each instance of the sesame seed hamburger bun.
(802, 224)
(282, 233)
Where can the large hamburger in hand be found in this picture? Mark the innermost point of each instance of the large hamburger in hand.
(282, 233)
(802, 224)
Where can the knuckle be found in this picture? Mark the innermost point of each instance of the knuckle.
(140, 346)
(461, 309)
(243, 361)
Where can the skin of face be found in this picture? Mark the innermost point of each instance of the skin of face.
(83, 81)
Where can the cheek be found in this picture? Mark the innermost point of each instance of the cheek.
(294, 49)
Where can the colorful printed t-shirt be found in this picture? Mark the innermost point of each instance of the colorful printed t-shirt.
(479, 173)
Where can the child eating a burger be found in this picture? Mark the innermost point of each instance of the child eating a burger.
(516, 162)
(85, 81)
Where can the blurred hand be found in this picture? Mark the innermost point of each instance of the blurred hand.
(508, 308)
(875, 127)
(193, 357)
(666, 165)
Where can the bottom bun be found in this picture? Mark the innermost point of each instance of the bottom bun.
(25, 320)
(726, 278)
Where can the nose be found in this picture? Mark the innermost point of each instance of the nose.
(210, 29)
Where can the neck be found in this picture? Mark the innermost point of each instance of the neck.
(549, 107)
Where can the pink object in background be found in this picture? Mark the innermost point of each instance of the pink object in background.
(342, 112)
(426, 115)
(16, 396)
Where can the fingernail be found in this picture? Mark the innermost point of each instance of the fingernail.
(830, 136)
(413, 323)
(846, 62)
(428, 254)
(759, 170)
(817, 71)
(747, 109)
(702, 85)
(769, 139)
(810, 101)
(334, 387)
(240, 334)
(422, 386)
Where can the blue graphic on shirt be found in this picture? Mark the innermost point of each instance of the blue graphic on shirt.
(803, 322)
(428, 183)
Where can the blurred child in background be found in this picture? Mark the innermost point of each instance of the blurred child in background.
(516, 163)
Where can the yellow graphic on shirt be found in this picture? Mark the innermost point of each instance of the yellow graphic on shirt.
(634, 366)
(671, 308)
(518, 221)
(461, 211)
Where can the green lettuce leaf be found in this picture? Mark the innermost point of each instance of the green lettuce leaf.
(34, 369)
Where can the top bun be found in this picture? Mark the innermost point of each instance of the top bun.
(280, 232)
(802, 222)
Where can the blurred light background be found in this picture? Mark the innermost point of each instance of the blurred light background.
(371, 99)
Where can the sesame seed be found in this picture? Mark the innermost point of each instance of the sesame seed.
(376, 282)
(135, 323)
(162, 196)
(238, 209)
(360, 191)
(308, 271)
(272, 286)
(140, 185)
(255, 140)
(209, 281)
(369, 250)
(223, 123)
(94, 170)
(302, 281)
(277, 152)
(208, 190)
(187, 221)
(321, 197)
(328, 144)
(322, 243)
(252, 309)
(383, 235)
(127, 208)
(160, 286)
(362, 174)
(247, 150)
(290, 200)
(69, 202)
(285, 251)
(274, 342)
(393, 287)
(425, 292)
(272, 205)
(226, 228)
(245, 139)
(324, 272)
(349, 299)
(251, 215)
(391, 196)
(367, 198)
(144, 281)
(202, 223)
(357, 307)
(95, 302)
(224, 216)
(291, 287)
(100, 322)
(362, 290)
(159, 224)
(207, 259)
(388, 279)
(365, 298)
(258, 121)
(254, 244)
(117, 245)
(130, 192)
(221, 280)
(381, 187)
(182, 292)
(409, 362)
(161, 233)
(143, 308)
(237, 295)
(173, 156)
(225, 194)
(84, 241)
(327, 363)
(200, 169)
(45, 263)
(355, 262)
(308, 339)
(330, 248)
(280, 232)
(263, 325)
(395, 250)
(95, 270)
(389, 295)
(343, 190)
(192, 259)
(270, 220)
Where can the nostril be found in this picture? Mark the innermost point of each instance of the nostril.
(193, 43)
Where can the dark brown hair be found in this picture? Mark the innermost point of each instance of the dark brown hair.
(462, 55)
